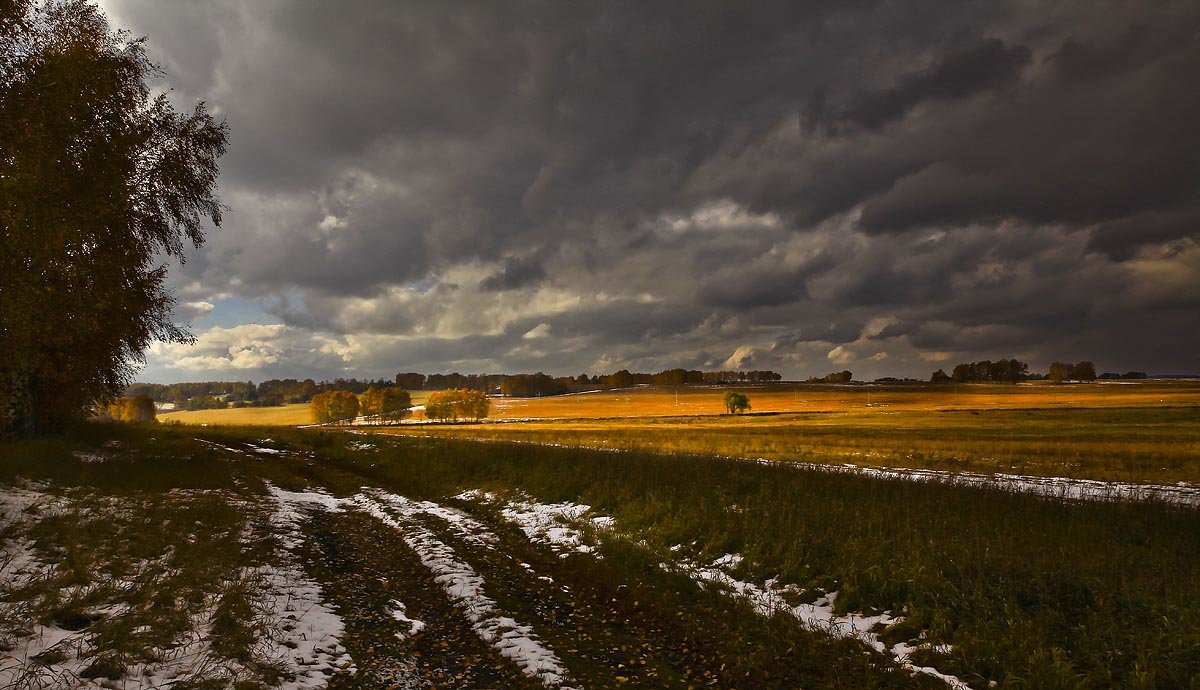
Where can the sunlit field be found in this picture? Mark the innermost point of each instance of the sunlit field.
(253, 558)
(877, 398)
(1147, 432)
(286, 415)
(1140, 432)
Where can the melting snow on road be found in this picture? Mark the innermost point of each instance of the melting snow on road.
(400, 613)
(304, 630)
(464, 586)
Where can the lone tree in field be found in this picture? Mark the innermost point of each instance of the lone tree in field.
(1083, 371)
(334, 406)
(736, 402)
(458, 403)
(1059, 372)
(99, 182)
(385, 404)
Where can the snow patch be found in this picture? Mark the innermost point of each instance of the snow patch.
(400, 613)
(1064, 488)
(464, 586)
(304, 630)
(770, 598)
(554, 524)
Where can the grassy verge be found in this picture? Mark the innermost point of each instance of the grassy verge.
(1026, 592)
(993, 587)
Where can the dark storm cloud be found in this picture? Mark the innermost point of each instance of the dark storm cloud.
(518, 272)
(962, 71)
(598, 184)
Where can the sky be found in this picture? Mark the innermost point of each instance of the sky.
(580, 187)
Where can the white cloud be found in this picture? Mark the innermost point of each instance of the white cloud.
(249, 347)
(542, 330)
(877, 325)
(741, 357)
(841, 355)
(190, 311)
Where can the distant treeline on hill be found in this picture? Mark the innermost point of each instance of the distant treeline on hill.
(1014, 370)
(220, 394)
(532, 385)
(985, 371)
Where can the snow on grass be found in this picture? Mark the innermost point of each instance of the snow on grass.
(464, 586)
(214, 444)
(18, 564)
(555, 524)
(1065, 488)
(21, 640)
(771, 598)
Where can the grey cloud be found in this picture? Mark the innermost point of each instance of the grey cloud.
(961, 71)
(1000, 167)
(517, 272)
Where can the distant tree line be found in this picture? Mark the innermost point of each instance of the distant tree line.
(835, 377)
(1129, 375)
(1014, 370)
(1080, 371)
(533, 385)
(200, 395)
(985, 371)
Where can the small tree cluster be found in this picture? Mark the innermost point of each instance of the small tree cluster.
(334, 406)
(835, 377)
(736, 402)
(1000, 371)
(1080, 371)
(138, 409)
(385, 404)
(456, 404)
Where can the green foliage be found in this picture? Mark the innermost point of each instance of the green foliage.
(736, 402)
(455, 404)
(98, 182)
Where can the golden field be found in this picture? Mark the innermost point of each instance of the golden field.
(286, 415)
(1146, 431)
(655, 401)
(1140, 432)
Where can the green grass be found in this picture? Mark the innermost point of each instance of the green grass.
(1029, 592)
